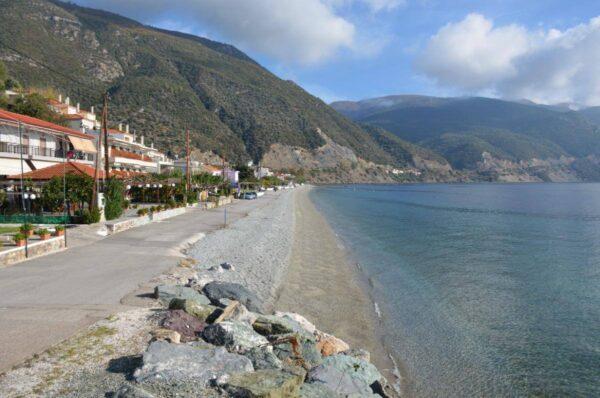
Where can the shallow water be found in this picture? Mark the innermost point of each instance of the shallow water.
(485, 289)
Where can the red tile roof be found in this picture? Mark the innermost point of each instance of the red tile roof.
(31, 121)
(129, 155)
(58, 170)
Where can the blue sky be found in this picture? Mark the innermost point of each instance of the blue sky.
(547, 51)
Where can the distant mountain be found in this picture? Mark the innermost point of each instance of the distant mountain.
(462, 129)
(592, 114)
(163, 82)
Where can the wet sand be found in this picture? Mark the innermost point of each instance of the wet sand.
(322, 285)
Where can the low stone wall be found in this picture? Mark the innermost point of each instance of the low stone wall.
(162, 215)
(35, 249)
(121, 226)
(133, 222)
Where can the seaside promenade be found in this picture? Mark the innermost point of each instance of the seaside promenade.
(45, 300)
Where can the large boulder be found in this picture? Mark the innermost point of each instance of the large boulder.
(233, 291)
(317, 391)
(299, 319)
(269, 325)
(193, 307)
(267, 383)
(181, 363)
(166, 293)
(297, 349)
(330, 345)
(345, 375)
(188, 326)
(234, 335)
(263, 358)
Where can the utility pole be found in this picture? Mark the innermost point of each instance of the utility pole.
(188, 172)
(105, 131)
(98, 155)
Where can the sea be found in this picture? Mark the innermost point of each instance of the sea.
(485, 290)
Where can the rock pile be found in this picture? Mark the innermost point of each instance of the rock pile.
(216, 341)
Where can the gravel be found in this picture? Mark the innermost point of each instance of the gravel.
(257, 246)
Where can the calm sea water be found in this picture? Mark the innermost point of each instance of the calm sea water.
(486, 290)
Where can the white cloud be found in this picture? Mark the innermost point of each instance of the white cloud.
(293, 31)
(513, 62)
(373, 5)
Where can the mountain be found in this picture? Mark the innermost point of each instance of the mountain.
(463, 129)
(592, 114)
(163, 82)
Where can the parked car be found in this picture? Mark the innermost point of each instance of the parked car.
(248, 195)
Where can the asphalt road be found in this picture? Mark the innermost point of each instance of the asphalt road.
(45, 300)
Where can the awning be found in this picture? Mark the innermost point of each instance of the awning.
(83, 145)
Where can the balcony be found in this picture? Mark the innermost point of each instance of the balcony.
(29, 150)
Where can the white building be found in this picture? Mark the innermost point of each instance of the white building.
(28, 144)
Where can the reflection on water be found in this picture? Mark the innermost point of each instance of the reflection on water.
(485, 289)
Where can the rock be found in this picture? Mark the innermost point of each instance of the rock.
(317, 391)
(131, 391)
(216, 268)
(358, 353)
(228, 311)
(182, 363)
(268, 325)
(267, 383)
(188, 326)
(302, 321)
(193, 307)
(297, 349)
(164, 334)
(233, 291)
(234, 335)
(224, 302)
(228, 267)
(263, 358)
(330, 345)
(345, 375)
(166, 293)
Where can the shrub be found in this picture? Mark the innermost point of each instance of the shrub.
(19, 237)
(91, 217)
(27, 227)
(59, 227)
(42, 231)
(142, 212)
(114, 199)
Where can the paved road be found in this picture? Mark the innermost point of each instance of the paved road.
(45, 300)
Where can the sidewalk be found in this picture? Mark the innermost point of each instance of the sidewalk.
(45, 300)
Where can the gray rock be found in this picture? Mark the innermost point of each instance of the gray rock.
(272, 325)
(267, 383)
(182, 363)
(234, 291)
(307, 355)
(234, 335)
(359, 353)
(317, 391)
(188, 326)
(131, 391)
(345, 375)
(193, 307)
(166, 293)
(263, 358)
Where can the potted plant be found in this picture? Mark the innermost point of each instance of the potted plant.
(43, 233)
(59, 230)
(26, 229)
(142, 212)
(20, 239)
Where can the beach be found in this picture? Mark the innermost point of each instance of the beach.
(323, 285)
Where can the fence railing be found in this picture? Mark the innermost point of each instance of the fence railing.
(27, 149)
(34, 219)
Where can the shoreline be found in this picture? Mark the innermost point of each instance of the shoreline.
(332, 291)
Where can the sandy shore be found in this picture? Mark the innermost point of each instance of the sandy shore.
(322, 285)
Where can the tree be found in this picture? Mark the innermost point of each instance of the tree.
(12, 84)
(114, 199)
(246, 173)
(3, 75)
(79, 192)
(34, 105)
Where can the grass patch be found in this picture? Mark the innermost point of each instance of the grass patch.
(5, 229)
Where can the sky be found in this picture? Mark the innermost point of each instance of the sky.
(546, 51)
